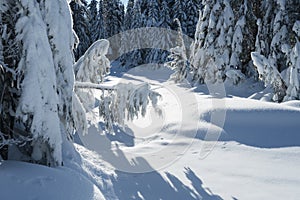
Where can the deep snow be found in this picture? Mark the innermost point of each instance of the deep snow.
(253, 155)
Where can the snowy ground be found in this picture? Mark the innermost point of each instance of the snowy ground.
(204, 146)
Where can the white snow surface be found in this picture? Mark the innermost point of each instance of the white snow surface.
(256, 156)
(26, 181)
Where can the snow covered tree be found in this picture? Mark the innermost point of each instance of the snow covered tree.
(178, 59)
(179, 13)
(192, 13)
(116, 102)
(211, 51)
(152, 55)
(92, 67)
(153, 13)
(136, 57)
(243, 41)
(81, 26)
(275, 40)
(164, 39)
(96, 23)
(126, 101)
(9, 81)
(129, 15)
(269, 74)
(293, 90)
(113, 13)
(40, 77)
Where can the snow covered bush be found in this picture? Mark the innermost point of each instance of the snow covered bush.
(91, 68)
(293, 90)
(270, 75)
(126, 101)
(178, 58)
(116, 102)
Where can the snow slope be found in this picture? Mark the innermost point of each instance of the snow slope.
(253, 155)
(27, 181)
(206, 145)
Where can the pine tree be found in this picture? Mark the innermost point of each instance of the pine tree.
(96, 23)
(243, 42)
(269, 74)
(152, 55)
(179, 13)
(192, 12)
(293, 90)
(113, 13)
(128, 18)
(165, 23)
(38, 70)
(10, 57)
(81, 26)
(136, 57)
(211, 51)
(275, 41)
(178, 58)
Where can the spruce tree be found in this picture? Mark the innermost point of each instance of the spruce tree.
(211, 51)
(129, 15)
(81, 26)
(96, 24)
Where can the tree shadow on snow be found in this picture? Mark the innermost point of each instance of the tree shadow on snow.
(153, 186)
(125, 137)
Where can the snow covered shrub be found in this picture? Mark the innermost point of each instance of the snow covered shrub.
(293, 90)
(92, 68)
(270, 75)
(178, 58)
(126, 101)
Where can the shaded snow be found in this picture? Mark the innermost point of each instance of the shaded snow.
(256, 157)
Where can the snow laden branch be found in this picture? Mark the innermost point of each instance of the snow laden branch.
(88, 85)
(118, 102)
(270, 75)
(126, 101)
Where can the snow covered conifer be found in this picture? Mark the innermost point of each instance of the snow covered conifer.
(293, 90)
(81, 26)
(92, 67)
(129, 15)
(269, 74)
(179, 13)
(38, 67)
(96, 23)
(113, 11)
(210, 53)
(192, 13)
(178, 59)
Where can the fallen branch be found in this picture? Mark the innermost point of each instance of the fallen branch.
(87, 85)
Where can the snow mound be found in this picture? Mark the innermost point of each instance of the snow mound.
(28, 181)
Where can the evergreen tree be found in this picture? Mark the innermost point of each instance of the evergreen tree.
(192, 13)
(9, 81)
(178, 59)
(136, 57)
(113, 13)
(152, 55)
(211, 51)
(179, 13)
(165, 23)
(37, 104)
(96, 23)
(81, 26)
(128, 18)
